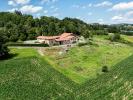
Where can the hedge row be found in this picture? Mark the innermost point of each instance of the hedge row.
(27, 45)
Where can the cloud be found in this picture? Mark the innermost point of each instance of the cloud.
(48, 1)
(82, 6)
(123, 6)
(130, 13)
(12, 10)
(101, 21)
(12, 3)
(90, 13)
(55, 9)
(17, 2)
(127, 17)
(30, 9)
(103, 4)
(117, 17)
(56, 14)
(45, 11)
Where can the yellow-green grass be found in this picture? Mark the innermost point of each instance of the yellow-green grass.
(84, 63)
(128, 38)
(23, 52)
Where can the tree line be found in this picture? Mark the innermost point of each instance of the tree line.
(20, 27)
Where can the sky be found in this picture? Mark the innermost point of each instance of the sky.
(90, 11)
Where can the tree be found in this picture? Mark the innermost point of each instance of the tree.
(18, 12)
(52, 28)
(87, 34)
(115, 37)
(3, 47)
(22, 37)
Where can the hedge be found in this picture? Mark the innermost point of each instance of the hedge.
(27, 45)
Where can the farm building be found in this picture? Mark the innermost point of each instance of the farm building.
(63, 39)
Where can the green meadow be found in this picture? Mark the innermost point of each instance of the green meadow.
(86, 62)
(74, 75)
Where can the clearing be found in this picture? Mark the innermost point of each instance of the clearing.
(84, 63)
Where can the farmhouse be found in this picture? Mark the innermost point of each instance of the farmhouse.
(63, 39)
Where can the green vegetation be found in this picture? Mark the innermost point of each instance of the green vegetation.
(3, 48)
(128, 38)
(86, 62)
(96, 70)
(27, 45)
(20, 27)
(27, 76)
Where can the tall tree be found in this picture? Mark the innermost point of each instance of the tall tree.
(3, 47)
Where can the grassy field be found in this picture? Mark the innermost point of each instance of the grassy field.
(74, 75)
(27, 76)
(128, 38)
(84, 63)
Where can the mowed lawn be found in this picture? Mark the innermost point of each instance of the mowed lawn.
(86, 62)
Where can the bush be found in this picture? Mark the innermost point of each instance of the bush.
(3, 48)
(27, 45)
(82, 44)
(105, 69)
(115, 37)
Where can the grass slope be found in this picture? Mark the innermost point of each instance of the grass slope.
(32, 78)
(86, 62)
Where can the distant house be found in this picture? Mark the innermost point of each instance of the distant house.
(63, 39)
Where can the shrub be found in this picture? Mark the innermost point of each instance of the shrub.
(105, 69)
(78, 68)
(115, 37)
(82, 44)
(27, 45)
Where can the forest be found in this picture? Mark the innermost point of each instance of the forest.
(20, 27)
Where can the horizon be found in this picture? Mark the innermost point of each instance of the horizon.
(98, 11)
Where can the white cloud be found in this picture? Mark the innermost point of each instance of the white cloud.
(90, 13)
(12, 10)
(45, 11)
(128, 14)
(117, 17)
(12, 3)
(48, 1)
(82, 6)
(123, 6)
(90, 5)
(55, 9)
(16, 2)
(103, 4)
(56, 14)
(30, 9)
(124, 18)
(22, 1)
(101, 21)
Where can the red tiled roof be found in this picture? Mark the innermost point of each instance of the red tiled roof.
(65, 38)
(65, 34)
(62, 37)
(48, 37)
